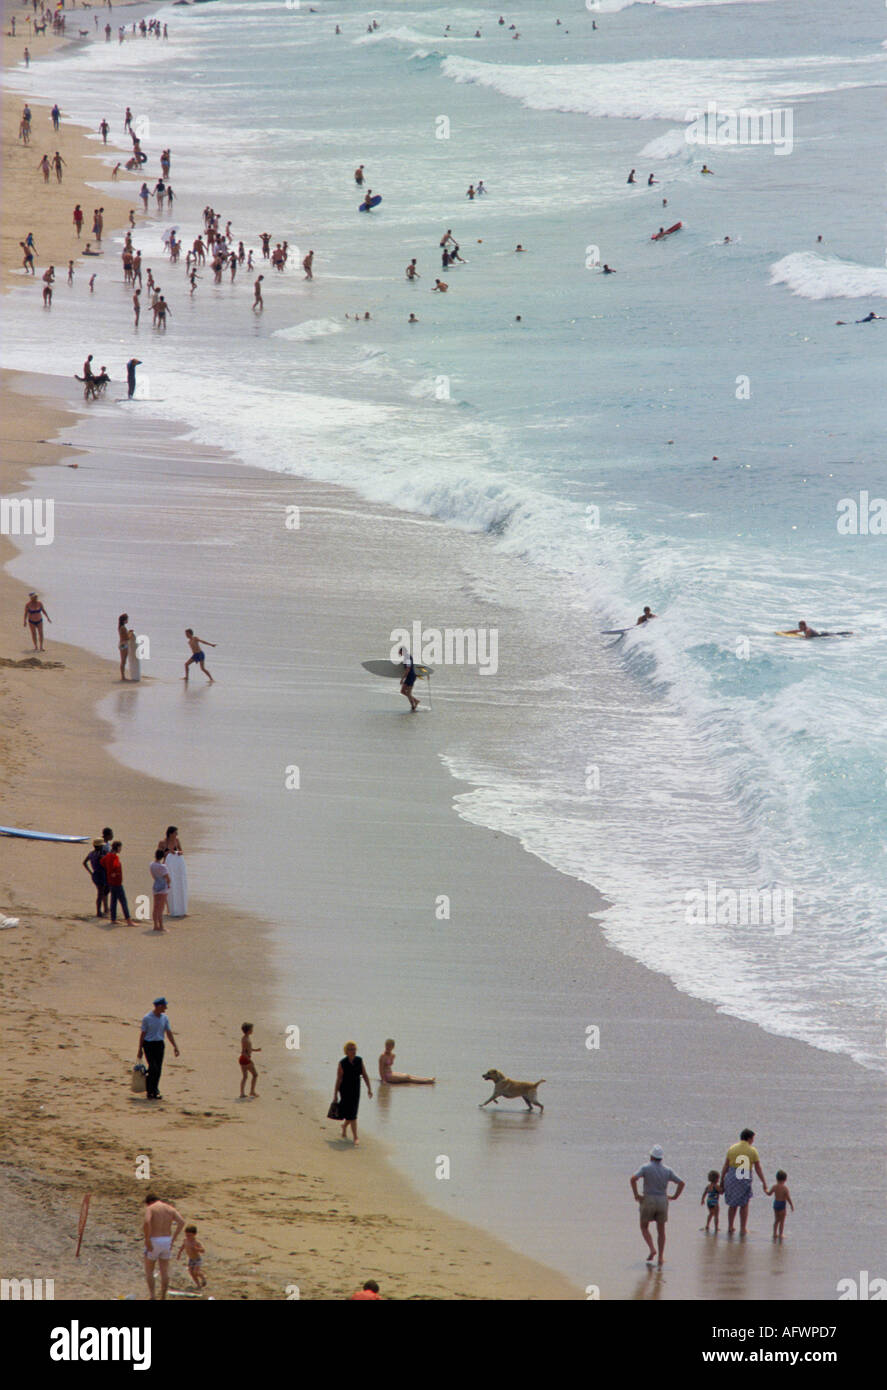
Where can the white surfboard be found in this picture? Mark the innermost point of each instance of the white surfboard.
(133, 664)
(177, 902)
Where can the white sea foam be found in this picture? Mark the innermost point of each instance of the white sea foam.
(309, 329)
(403, 34)
(813, 276)
(664, 89)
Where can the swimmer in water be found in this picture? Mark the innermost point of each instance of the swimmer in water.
(705, 170)
(519, 247)
(439, 287)
(631, 178)
(645, 617)
(651, 181)
(411, 271)
(368, 201)
(412, 319)
(608, 270)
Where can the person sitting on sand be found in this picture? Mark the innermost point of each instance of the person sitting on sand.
(247, 1065)
(398, 1078)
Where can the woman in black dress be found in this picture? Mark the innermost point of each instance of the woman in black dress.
(351, 1069)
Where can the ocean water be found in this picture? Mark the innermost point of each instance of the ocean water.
(687, 433)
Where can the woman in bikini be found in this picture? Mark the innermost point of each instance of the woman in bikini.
(398, 1078)
(34, 615)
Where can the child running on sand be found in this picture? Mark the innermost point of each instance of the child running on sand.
(781, 1197)
(191, 1247)
(711, 1199)
(247, 1065)
(197, 656)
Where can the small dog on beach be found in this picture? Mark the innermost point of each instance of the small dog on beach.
(511, 1090)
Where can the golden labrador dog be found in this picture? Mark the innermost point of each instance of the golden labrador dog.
(511, 1090)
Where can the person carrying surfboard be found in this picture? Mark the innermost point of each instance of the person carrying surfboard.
(409, 680)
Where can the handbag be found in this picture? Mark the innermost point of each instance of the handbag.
(333, 1112)
(139, 1079)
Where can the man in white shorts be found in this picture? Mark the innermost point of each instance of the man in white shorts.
(654, 1202)
(160, 1218)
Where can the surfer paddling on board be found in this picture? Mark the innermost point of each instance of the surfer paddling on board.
(197, 657)
(645, 617)
(806, 631)
(409, 680)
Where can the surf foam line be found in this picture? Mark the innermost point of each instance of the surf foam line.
(826, 277)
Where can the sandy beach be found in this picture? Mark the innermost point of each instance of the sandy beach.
(296, 1224)
(337, 881)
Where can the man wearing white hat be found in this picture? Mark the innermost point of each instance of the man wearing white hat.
(655, 1199)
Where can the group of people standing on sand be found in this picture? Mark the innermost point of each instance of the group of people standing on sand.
(169, 879)
(734, 1183)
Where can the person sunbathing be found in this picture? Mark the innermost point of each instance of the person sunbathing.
(398, 1078)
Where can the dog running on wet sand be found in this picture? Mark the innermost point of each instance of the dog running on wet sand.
(512, 1090)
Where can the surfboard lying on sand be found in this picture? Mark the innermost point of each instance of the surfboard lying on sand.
(393, 668)
(374, 203)
(43, 835)
(657, 236)
(795, 633)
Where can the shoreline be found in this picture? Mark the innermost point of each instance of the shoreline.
(360, 1216)
(346, 1216)
(797, 1095)
(661, 990)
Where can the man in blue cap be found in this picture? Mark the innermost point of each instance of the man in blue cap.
(155, 1027)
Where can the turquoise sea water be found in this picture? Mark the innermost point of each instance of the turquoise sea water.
(681, 434)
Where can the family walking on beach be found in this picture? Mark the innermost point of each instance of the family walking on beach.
(733, 1181)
